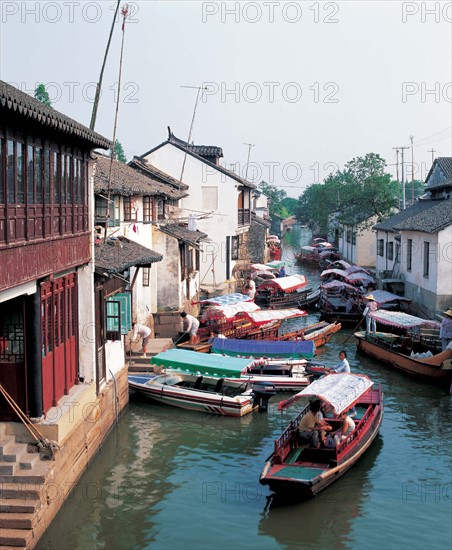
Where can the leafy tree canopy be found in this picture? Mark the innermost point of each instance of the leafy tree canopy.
(42, 95)
(356, 193)
(118, 152)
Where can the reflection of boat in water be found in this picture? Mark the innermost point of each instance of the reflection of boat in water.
(337, 509)
(409, 351)
(301, 470)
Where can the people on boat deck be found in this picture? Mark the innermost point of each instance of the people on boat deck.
(351, 305)
(250, 288)
(346, 428)
(445, 329)
(371, 307)
(282, 271)
(215, 334)
(311, 429)
(344, 365)
(190, 326)
(141, 331)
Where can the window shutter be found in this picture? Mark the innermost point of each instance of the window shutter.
(113, 319)
(126, 313)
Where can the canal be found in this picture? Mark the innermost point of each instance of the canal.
(171, 479)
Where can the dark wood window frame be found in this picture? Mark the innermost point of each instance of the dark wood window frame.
(409, 255)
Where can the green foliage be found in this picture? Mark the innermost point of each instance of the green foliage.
(276, 196)
(358, 192)
(119, 154)
(42, 95)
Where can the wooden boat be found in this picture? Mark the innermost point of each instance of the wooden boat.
(333, 300)
(309, 298)
(319, 333)
(264, 348)
(283, 374)
(299, 471)
(407, 350)
(281, 292)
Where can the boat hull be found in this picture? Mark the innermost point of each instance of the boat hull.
(192, 400)
(303, 478)
(417, 368)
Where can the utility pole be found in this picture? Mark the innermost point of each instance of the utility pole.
(432, 151)
(248, 159)
(199, 88)
(397, 172)
(99, 84)
(402, 149)
(412, 170)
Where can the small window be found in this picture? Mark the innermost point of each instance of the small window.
(160, 209)
(380, 247)
(426, 259)
(127, 209)
(147, 212)
(20, 174)
(349, 235)
(146, 275)
(234, 248)
(390, 251)
(118, 315)
(409, 255)
(354, 238)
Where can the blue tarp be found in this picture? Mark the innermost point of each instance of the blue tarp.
(264, 348)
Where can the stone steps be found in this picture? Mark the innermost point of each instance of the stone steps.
(19, 506)
(17, 538)
(17, 520)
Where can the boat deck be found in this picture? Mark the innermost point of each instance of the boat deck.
(298, 472)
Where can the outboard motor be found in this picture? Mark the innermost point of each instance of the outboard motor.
(262, 392)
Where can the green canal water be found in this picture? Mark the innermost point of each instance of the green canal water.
(171, 479)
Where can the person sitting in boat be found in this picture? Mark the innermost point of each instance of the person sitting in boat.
(311, 431)
(347, 427)
(351, 305)
(282, 271)
(215, 334)
(371, 307)
(445, 329)
(343, 365)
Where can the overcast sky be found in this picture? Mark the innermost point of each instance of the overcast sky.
(310, 84)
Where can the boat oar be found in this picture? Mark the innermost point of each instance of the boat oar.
(353, 331)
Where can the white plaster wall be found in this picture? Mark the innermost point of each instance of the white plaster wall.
(416, 275)
(444, 268)
(382, 263)
(221, 223)
(114, 356)
(362, 253)
(86, 323)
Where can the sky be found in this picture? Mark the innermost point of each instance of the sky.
(309, 85)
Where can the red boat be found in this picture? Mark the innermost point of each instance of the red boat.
(282, 292)
(300, 471)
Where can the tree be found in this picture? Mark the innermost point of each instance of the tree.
(275, 196)
(42, 95)
(358, 192)
(118, 152)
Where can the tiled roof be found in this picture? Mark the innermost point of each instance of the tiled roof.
(389, 224)
(128, 182)
(182, 233)
(430, 220)
(445, 165)
(150, 170)
(13, 100)
(201, 150)
(184, 146)
(117, 255)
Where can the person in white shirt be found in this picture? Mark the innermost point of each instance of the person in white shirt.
(250, 288)
(346, 429)
(215, 334)
(191, 326)
(344, 365)
(141, 331)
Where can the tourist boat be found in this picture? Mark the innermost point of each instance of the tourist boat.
(319, 333)
(333, 300)
(309, 298)
(319, 251)
(414, 349)
(299, 471)
(281, 292)
(284, 374)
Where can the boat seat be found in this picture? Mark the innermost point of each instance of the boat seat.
(198, 383)
(218, 385)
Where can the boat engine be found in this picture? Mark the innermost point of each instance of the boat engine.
(262, 392)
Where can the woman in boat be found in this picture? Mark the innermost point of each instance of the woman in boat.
(344, 365)
(445, 329)
(346, 428)
(250, 289)
(371, 307)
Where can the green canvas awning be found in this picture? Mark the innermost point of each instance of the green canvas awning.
(202, 363)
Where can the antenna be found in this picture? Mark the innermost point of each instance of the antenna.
(248, 159)
(432, 151)
(412, 170)
(199, 88)
(397, 172)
